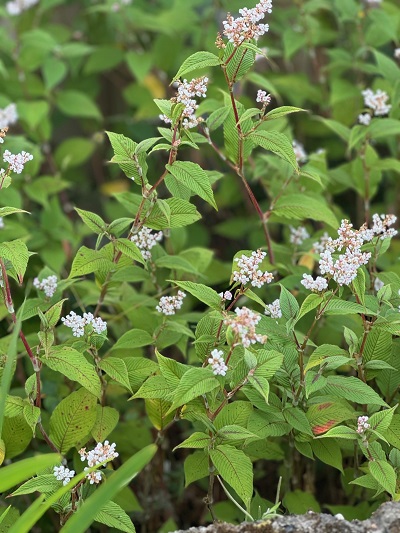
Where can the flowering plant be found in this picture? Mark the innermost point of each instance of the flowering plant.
(229, 318)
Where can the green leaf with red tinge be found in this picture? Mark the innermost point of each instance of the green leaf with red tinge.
(324, 416)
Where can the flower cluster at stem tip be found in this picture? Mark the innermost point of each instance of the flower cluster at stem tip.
(249, 272)
(243, 327)
(16, 7)
(187, 91)
(247, 27)
(274, 310)
(168, 305)
(100, 454)
(362, 424)
(77, 323)
(145, 240)
(377, 103)
(47, 285)
(217, 363)
(343, 268)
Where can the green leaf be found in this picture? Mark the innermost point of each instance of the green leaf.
(195, 467)
(77, 104)
(381, 420)
(337, 127)
(198, 439)
(17, 253)
(154, 387)
(106, 420)
(301, 207)
(336, 306)
(87, 261)
(201, 292)
(5, 211)
(236, 413)
(73, 419)
(175, 262)
(235, 468)
(129, 248)
(218, 117)
(45, 483)
(297, 419)
(328, 451)
(196, 61)
(261, 385)
(171, 370)
(182, 213)
(194, 178)
(195, 382)
(74, 366)
(282, 111)
(276, 143)
(352, 389)
(384, 474)
(23, 469)
(53, 314)
(134, 338)
(358, 285)
(234, 433)
(113, 516)
(93, 221)
(116, 369)
(288, 303)
(311, 302)
(321, 353)
(300, 502)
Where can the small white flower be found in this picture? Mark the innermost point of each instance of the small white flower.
(145, 240)
(243, 326)
(77, 323)
(63, 474)
(274, 309)
(101, 453)
(8, 116)
(16, 7)
(364, 118)
(263, 97)
(93, 477)
(298, 235)
(248, 26)
(249, 272)
(378, 284)
(16, 161)
(315, 285)
(47, 285)
(217, 363)
(362, 424)
(227, 295)
(299, 152)
(187, 93)
(377, 101)
(168, 305)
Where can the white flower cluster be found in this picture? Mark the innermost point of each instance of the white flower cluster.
(227, 295)
(319, 246)
(377, 101)
(343, 269)
(217, 363)
(116, 6)
(247, 27)
(47, 285)
(263, 97)
(16, 161)
(318, 284)
(16, 7)
(145, 240)
(243, 326)
(8, 116)
(396, 53)
(249, 271)
(168, 305)
(274, 309)
(100, 454)
(186, 94)
(63, 474)
(298, 235)
(378, 284)
(299, 152)
(362, 424)
(364, 118)
(77, 323)
(381, 225)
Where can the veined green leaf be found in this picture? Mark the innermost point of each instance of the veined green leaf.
(198, 439)
(74, 366)
(23, 469)
(116, 369)
(276, 143)
(196, 61)
(384, 474)
(352, 389)
(194, 178)
(195, 382)
(235, 468)
(201, 292)
(73, 419)
(87, 261)
(17, 253)
(113, 516)
(93, 221)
